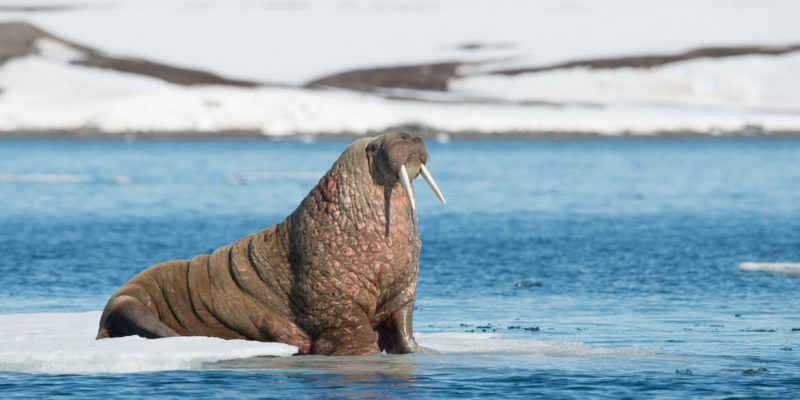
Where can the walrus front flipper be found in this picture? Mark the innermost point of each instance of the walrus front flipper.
(351, 336)
(395, 335)
(128, 316)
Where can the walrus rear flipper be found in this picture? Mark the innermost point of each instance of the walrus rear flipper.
(128, 316)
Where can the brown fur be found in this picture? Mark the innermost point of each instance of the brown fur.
(337, 276)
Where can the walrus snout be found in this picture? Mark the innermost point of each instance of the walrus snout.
(401, 157)
(395, 150)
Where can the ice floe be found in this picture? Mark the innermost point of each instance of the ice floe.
(64, 343)
(786, 268)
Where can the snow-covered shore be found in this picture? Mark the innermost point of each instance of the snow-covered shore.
(282, 46)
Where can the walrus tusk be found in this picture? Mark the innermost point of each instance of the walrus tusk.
(407, 187)
(432, 183)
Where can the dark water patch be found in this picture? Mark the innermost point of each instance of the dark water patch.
(528, 284)
(759, 370)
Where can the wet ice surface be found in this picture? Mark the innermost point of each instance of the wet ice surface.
(557, 268)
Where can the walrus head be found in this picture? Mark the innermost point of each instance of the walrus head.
(370, 179)
(400, 157)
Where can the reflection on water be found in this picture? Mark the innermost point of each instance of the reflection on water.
(401, 367)
(373, 376)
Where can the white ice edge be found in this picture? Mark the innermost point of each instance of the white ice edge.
(63, 343)
(786, 268)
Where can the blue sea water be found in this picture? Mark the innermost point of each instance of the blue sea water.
(615, 244)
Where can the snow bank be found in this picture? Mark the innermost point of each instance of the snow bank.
(292, 43)
(298, 41)
(43, 94)
(63, 343)
(765, 84)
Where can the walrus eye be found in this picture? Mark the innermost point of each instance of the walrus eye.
(428, 178)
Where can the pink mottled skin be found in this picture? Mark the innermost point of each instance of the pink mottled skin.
(338, 276)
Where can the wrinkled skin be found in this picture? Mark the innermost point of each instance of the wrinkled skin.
(338, 276)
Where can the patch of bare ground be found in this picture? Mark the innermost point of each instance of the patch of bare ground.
(657, 60)
(36, 8)
(18, 39)
(180, 76)
(480, 100)
(432, 77)
(473, 46)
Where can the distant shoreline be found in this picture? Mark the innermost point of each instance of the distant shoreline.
(425, 133)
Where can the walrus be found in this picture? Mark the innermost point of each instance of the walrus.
(338, 276)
